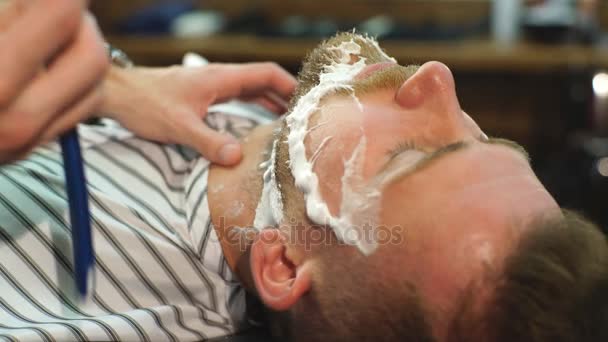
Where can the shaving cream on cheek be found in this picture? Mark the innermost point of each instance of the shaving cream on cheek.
(356, 202)
(359, 203)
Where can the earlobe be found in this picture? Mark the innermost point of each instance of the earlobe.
(279, 282)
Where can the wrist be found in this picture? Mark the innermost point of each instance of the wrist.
(115, 85)
(132, 91)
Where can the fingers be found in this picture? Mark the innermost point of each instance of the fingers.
(269, 101)
(21, 132)
(27, 139)
(270, 105)
(14, 144)
(63, 92)
(254, 78)
(33, 38)
(218, 148)
(80, 112)
(70, 77)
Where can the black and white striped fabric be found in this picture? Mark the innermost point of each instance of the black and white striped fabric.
(160, 274)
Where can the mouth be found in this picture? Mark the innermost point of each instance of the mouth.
(373, 68)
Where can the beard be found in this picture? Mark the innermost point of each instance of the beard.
(313, 67)
(325, 55)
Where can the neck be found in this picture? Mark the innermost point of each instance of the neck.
(233, 194)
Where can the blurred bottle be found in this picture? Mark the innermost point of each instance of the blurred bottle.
(506, 20)
(561, 21)
(588, 20)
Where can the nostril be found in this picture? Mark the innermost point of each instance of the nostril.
(409, 96)
(432, 86)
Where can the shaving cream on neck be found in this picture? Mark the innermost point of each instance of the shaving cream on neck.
(269, 212)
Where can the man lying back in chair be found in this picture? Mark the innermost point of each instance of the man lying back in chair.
(376, 210)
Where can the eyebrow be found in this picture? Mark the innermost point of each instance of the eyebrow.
(455, 147)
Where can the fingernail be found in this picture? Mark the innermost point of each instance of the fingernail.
(229, 153)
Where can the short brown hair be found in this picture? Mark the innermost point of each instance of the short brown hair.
(554, 287)
(348, 303)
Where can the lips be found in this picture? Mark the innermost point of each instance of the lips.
(373, 68)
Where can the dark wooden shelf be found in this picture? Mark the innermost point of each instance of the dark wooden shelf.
(477, 55)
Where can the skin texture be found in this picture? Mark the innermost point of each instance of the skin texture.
(46, 43)
(458, 215)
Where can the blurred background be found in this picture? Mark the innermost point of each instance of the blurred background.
(534, 71)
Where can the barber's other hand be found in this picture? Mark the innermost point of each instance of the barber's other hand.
(52, 63)
(168, 104)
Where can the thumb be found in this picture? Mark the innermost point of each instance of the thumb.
(217, 147)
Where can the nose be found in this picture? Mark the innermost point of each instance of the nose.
(431, 89)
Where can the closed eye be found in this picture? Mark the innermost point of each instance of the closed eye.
(401, 147)
(457, 146)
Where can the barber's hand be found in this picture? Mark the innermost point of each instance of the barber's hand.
(51, 63)
(168, 104)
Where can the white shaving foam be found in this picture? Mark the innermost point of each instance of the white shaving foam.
(362, 203)
(269, 212)
(355, 201)
(317, 153)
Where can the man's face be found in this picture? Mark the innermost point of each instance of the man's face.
(460, 200)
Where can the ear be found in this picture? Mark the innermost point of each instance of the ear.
(278, 281)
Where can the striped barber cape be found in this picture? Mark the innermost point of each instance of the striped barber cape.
(160, 274)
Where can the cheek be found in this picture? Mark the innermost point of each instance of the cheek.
(385, 129)
(336, 135)
(337, 131)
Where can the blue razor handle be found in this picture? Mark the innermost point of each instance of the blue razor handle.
(79, 209)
